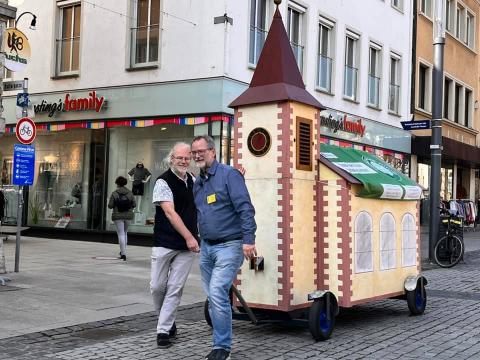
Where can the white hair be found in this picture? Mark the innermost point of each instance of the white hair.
(178, 144)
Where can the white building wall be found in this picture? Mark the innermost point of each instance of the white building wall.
(193, 47)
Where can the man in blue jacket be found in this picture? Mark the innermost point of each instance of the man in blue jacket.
(226, 222)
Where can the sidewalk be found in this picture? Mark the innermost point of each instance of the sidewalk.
(64, 282)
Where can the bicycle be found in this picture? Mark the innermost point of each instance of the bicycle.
(450, 248)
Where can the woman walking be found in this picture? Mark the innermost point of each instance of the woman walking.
(122, 202)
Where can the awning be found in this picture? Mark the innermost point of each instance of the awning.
(379, 179)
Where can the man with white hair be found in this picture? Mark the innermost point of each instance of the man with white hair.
(175, 240)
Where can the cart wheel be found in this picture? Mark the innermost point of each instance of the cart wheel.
(417, 299)
(321, 319)
(208, 319)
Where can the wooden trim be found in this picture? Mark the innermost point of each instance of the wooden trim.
(309, 123)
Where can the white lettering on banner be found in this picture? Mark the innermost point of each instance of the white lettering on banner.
(412, 192)
(391, 191)
(328, 155)
(355, 167)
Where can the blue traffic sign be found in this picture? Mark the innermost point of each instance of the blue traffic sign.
(415, 125)
(23, 164)
(22, 99)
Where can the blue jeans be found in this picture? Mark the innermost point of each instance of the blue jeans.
(219, 265)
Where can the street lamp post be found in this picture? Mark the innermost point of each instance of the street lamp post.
(33, 23)
(436, 138)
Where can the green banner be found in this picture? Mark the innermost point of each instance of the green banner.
(379, 179)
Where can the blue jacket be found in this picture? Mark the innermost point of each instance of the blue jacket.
(224, 209)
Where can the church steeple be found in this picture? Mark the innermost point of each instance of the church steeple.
(276, 77)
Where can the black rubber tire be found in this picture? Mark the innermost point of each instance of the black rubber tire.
(417, 299)
(321, 319)
(208, 319)
(452, 259)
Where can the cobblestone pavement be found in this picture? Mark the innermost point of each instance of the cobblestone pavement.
(450, 328)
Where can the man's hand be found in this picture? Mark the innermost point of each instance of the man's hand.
(192, 245)
(249, 251)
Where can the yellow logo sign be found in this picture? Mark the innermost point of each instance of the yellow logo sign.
(17, 49)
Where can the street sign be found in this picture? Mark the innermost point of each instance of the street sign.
(22, 99)
(12, 85)
(23, 164)
(415, 125)
(26, 130)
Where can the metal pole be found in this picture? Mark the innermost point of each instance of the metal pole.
(436, 139)
(20, 194)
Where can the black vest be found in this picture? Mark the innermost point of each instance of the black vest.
(163, 232)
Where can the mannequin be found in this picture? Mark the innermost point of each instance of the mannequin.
(139, 175)
(49, 172)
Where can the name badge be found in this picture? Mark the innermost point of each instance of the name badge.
(211, 198)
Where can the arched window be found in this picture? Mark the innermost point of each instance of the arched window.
(363, 243)
(409, 241)
(387, 242)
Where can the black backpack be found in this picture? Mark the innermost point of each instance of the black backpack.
(122, 203)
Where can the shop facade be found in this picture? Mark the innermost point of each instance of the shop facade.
(86, 139)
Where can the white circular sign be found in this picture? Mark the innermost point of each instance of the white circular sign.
(26, 130)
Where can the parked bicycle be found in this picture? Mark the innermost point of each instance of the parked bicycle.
(450, 248)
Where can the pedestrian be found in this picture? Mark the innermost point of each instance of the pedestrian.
(122, 202)
(227, 231)
(175, 240)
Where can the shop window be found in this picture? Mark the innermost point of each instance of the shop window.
(363, 243)
(325, 54)
(387, 242)
(374, 75)
(304, 144)
(351, 66)
(296, 32)
(258, 29)
(68, 39)
(409, 241)
(145, 33)
(394, 88)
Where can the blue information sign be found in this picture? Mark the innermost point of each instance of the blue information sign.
(22, 99)
(23, 164)
(415, 124)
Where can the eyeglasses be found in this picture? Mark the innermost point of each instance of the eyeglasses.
(182, 158)
(199, 152)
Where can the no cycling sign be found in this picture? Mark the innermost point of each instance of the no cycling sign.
(26, 130)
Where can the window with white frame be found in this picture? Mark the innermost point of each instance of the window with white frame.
(469, 29)
(448, 99)
(351, 66)
(426, 7)
(468, 107)
(295, 32)
(363, 243)
(460, 22)
(424, 87)
(144, 32)
(325, 54)
(394, 86)
(387, 242)
(458, 113)
(68, 39)
(398, 4)
(374, 74)
(449, 15)
(258, 29)
(409, 241)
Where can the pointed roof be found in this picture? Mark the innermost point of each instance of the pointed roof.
(277, 76)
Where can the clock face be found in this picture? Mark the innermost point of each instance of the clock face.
(259, 141)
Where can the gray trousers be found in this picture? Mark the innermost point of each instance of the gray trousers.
(169, 273)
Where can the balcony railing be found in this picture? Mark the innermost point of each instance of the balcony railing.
(68, 55)
(373, 90)
(144, 44)
(393, 98)
(324, 78)
(257, 40)
(298, 52)
(350, 83)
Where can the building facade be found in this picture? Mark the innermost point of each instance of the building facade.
(460, 125)
(115, 83)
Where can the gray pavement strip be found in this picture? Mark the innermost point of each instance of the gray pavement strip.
(453, 294)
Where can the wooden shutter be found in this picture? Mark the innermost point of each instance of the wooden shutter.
(304, 144)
